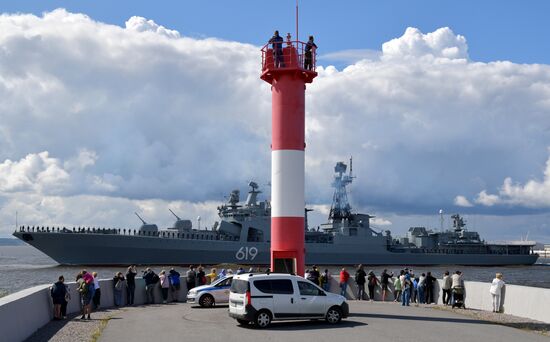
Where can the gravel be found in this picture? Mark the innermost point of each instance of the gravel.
(501, 318)
(74, 329)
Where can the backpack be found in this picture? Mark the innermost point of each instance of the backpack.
(156, 278)
(83, 288)
(118, 285)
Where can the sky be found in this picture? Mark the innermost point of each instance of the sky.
(107, 109)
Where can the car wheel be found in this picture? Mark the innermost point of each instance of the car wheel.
(206, 301)
(334, 315)
(242, 322)
(263, 319)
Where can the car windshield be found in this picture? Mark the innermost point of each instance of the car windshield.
(224, 282)
(218, 281)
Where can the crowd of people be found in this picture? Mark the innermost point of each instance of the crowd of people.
(408, 287)
(89, 290)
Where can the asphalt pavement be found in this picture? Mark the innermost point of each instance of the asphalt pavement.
(373, 321)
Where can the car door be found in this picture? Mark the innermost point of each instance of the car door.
(221, 292)
(285, 298)
(313, 300)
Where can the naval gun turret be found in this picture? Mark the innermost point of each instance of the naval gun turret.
(146, 227)
(181, 225)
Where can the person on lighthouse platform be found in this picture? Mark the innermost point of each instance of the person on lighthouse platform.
(310, 50)
(277, 43)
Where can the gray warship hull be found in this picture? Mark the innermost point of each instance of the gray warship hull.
(113, 249)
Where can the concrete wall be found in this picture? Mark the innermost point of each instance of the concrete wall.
(521, 301)
(24, 312)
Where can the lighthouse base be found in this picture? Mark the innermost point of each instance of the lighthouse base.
(284, 265)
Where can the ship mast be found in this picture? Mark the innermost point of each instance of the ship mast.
(340, 208)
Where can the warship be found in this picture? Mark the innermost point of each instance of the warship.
(242, 236)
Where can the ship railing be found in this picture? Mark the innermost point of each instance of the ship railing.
(194, 235)
(288, 55)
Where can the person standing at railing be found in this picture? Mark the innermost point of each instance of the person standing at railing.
(309, 52)
(496, 291)
(97, 293)
(58, 292)
(175, 284)
(131, 284)
(277, 44)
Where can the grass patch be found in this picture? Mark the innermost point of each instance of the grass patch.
(97, 333)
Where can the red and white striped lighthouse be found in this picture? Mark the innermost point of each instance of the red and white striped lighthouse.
(287, 68)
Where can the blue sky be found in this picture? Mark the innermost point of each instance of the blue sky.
(496, 29)
(443, 105)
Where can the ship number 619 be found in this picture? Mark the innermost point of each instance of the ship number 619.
(246, 253)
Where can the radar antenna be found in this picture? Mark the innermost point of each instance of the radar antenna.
(341, 208)
(142, 220)
(177, 217)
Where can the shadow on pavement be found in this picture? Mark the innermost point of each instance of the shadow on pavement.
(218, 306)
(421, 318)
(308, 325)
(49, 330)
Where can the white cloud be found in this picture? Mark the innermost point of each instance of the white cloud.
(133, 115)
(42, 174)
(380, 221)
(534, 194)
(141, 24)
(462, 201)
(101, 211)
(487, 199)
(442, 43)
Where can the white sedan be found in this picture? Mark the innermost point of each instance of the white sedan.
(210, 295)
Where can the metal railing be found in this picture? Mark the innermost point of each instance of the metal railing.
(288, 55)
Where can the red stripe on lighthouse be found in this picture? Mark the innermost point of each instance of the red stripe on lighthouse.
(288, 113)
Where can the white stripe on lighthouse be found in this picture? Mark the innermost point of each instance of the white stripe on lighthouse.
(287, 183)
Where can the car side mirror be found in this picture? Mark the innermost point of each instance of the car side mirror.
(322, 293)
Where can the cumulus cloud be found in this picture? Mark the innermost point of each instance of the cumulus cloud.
(380, 221)
(487, 199)
(533, 194)
(141, 24)
(101, 211)
(462, 201)
(91, 109)
(442, 43)
(42, 174)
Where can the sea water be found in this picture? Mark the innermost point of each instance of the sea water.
(22, 267)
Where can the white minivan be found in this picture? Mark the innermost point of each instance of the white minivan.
(261, 298)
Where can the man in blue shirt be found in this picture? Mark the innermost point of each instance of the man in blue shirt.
(277, 43)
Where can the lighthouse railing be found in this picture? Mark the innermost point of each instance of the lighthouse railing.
(292, 55)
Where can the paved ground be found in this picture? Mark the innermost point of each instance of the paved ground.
(374, 321)
(73, 328)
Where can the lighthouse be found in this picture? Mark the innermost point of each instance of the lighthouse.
(288, 66)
